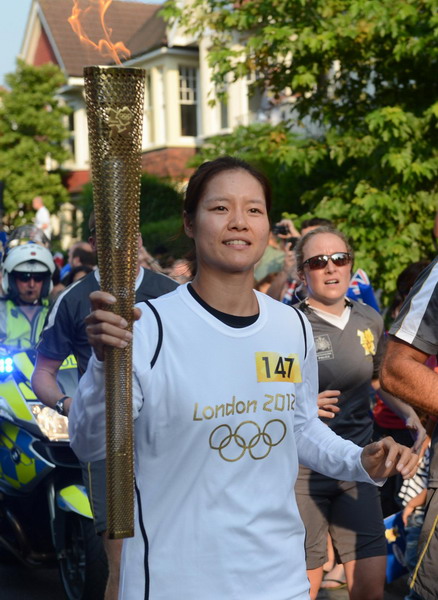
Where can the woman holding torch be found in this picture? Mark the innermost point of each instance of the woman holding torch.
(224, 394)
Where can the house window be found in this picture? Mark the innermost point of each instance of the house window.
(223, 107)
(188, 93)
(256, 99)
(224, 113)
(159, 125)
(255, 106)
(71, 138)
(148, 122)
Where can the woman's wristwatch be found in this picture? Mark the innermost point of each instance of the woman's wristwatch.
(59, 406)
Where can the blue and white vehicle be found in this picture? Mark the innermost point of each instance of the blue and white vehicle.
(45, 514)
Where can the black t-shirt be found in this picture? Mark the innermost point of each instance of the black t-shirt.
(348, 360)
(64, 332)
(231, 320)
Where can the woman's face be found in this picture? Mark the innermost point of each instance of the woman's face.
(231, 225)
(329, 285)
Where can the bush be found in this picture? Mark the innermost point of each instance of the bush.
(160, 216)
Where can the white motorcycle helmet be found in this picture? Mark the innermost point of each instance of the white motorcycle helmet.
(25, 234)
(28, 258)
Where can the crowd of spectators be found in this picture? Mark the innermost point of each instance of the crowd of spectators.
(310, 270)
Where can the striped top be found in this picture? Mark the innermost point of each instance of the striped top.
(417, 323)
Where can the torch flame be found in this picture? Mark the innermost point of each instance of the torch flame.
(105, 46)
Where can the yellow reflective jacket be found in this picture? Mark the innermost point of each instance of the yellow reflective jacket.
(16, 330)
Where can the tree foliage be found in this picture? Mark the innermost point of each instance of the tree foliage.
(160, 215)
(281, 155)
(32, 129)
(362, 75)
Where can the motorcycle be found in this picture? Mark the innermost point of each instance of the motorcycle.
(45, 514)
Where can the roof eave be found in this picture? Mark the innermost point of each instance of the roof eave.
(51, 39)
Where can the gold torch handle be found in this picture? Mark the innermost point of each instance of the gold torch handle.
(114, 99)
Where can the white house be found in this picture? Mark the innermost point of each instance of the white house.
(177, 113)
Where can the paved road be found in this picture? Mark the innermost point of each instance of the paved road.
(22, 583)
(19, 582)
(394, 591)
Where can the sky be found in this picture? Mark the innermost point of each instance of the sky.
(12, 24)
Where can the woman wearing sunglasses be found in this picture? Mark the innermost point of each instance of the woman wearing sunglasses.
(348, 340)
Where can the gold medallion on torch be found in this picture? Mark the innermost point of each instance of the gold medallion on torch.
(114, 99)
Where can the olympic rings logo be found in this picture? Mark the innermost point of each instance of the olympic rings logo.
(247, 437)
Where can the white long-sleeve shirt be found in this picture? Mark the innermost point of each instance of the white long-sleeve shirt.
(222, 418)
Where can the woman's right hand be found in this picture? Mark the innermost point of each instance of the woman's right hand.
(104, 328)
(327, 401)
(289, 263)
(293, 231)
(407, 511)
(418, 432)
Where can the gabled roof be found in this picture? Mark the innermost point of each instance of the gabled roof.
(154, 31)
(135, 24)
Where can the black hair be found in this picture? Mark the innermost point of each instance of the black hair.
(70, 277)
(85, 256)
(405, 281)
(205, 173)
(407, 277)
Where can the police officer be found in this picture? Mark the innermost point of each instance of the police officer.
(26, 280)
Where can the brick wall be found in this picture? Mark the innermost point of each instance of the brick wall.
(44, 53)
(168, 162)
(74, 180)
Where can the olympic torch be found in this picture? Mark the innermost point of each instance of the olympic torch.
(114, 100)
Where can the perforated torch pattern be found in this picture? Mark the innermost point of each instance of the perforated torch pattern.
(115, 99)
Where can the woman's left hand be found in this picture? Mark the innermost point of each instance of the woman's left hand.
(327, 401)
(405, 412)
(385, 458)
(417, 431)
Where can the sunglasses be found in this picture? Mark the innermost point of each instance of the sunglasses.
(340, 259)
(37, 277)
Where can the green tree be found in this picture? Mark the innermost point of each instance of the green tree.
(362, 74)
(32, 131)
(160, 214)
(274, 150)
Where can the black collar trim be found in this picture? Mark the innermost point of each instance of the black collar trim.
(230, 320)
